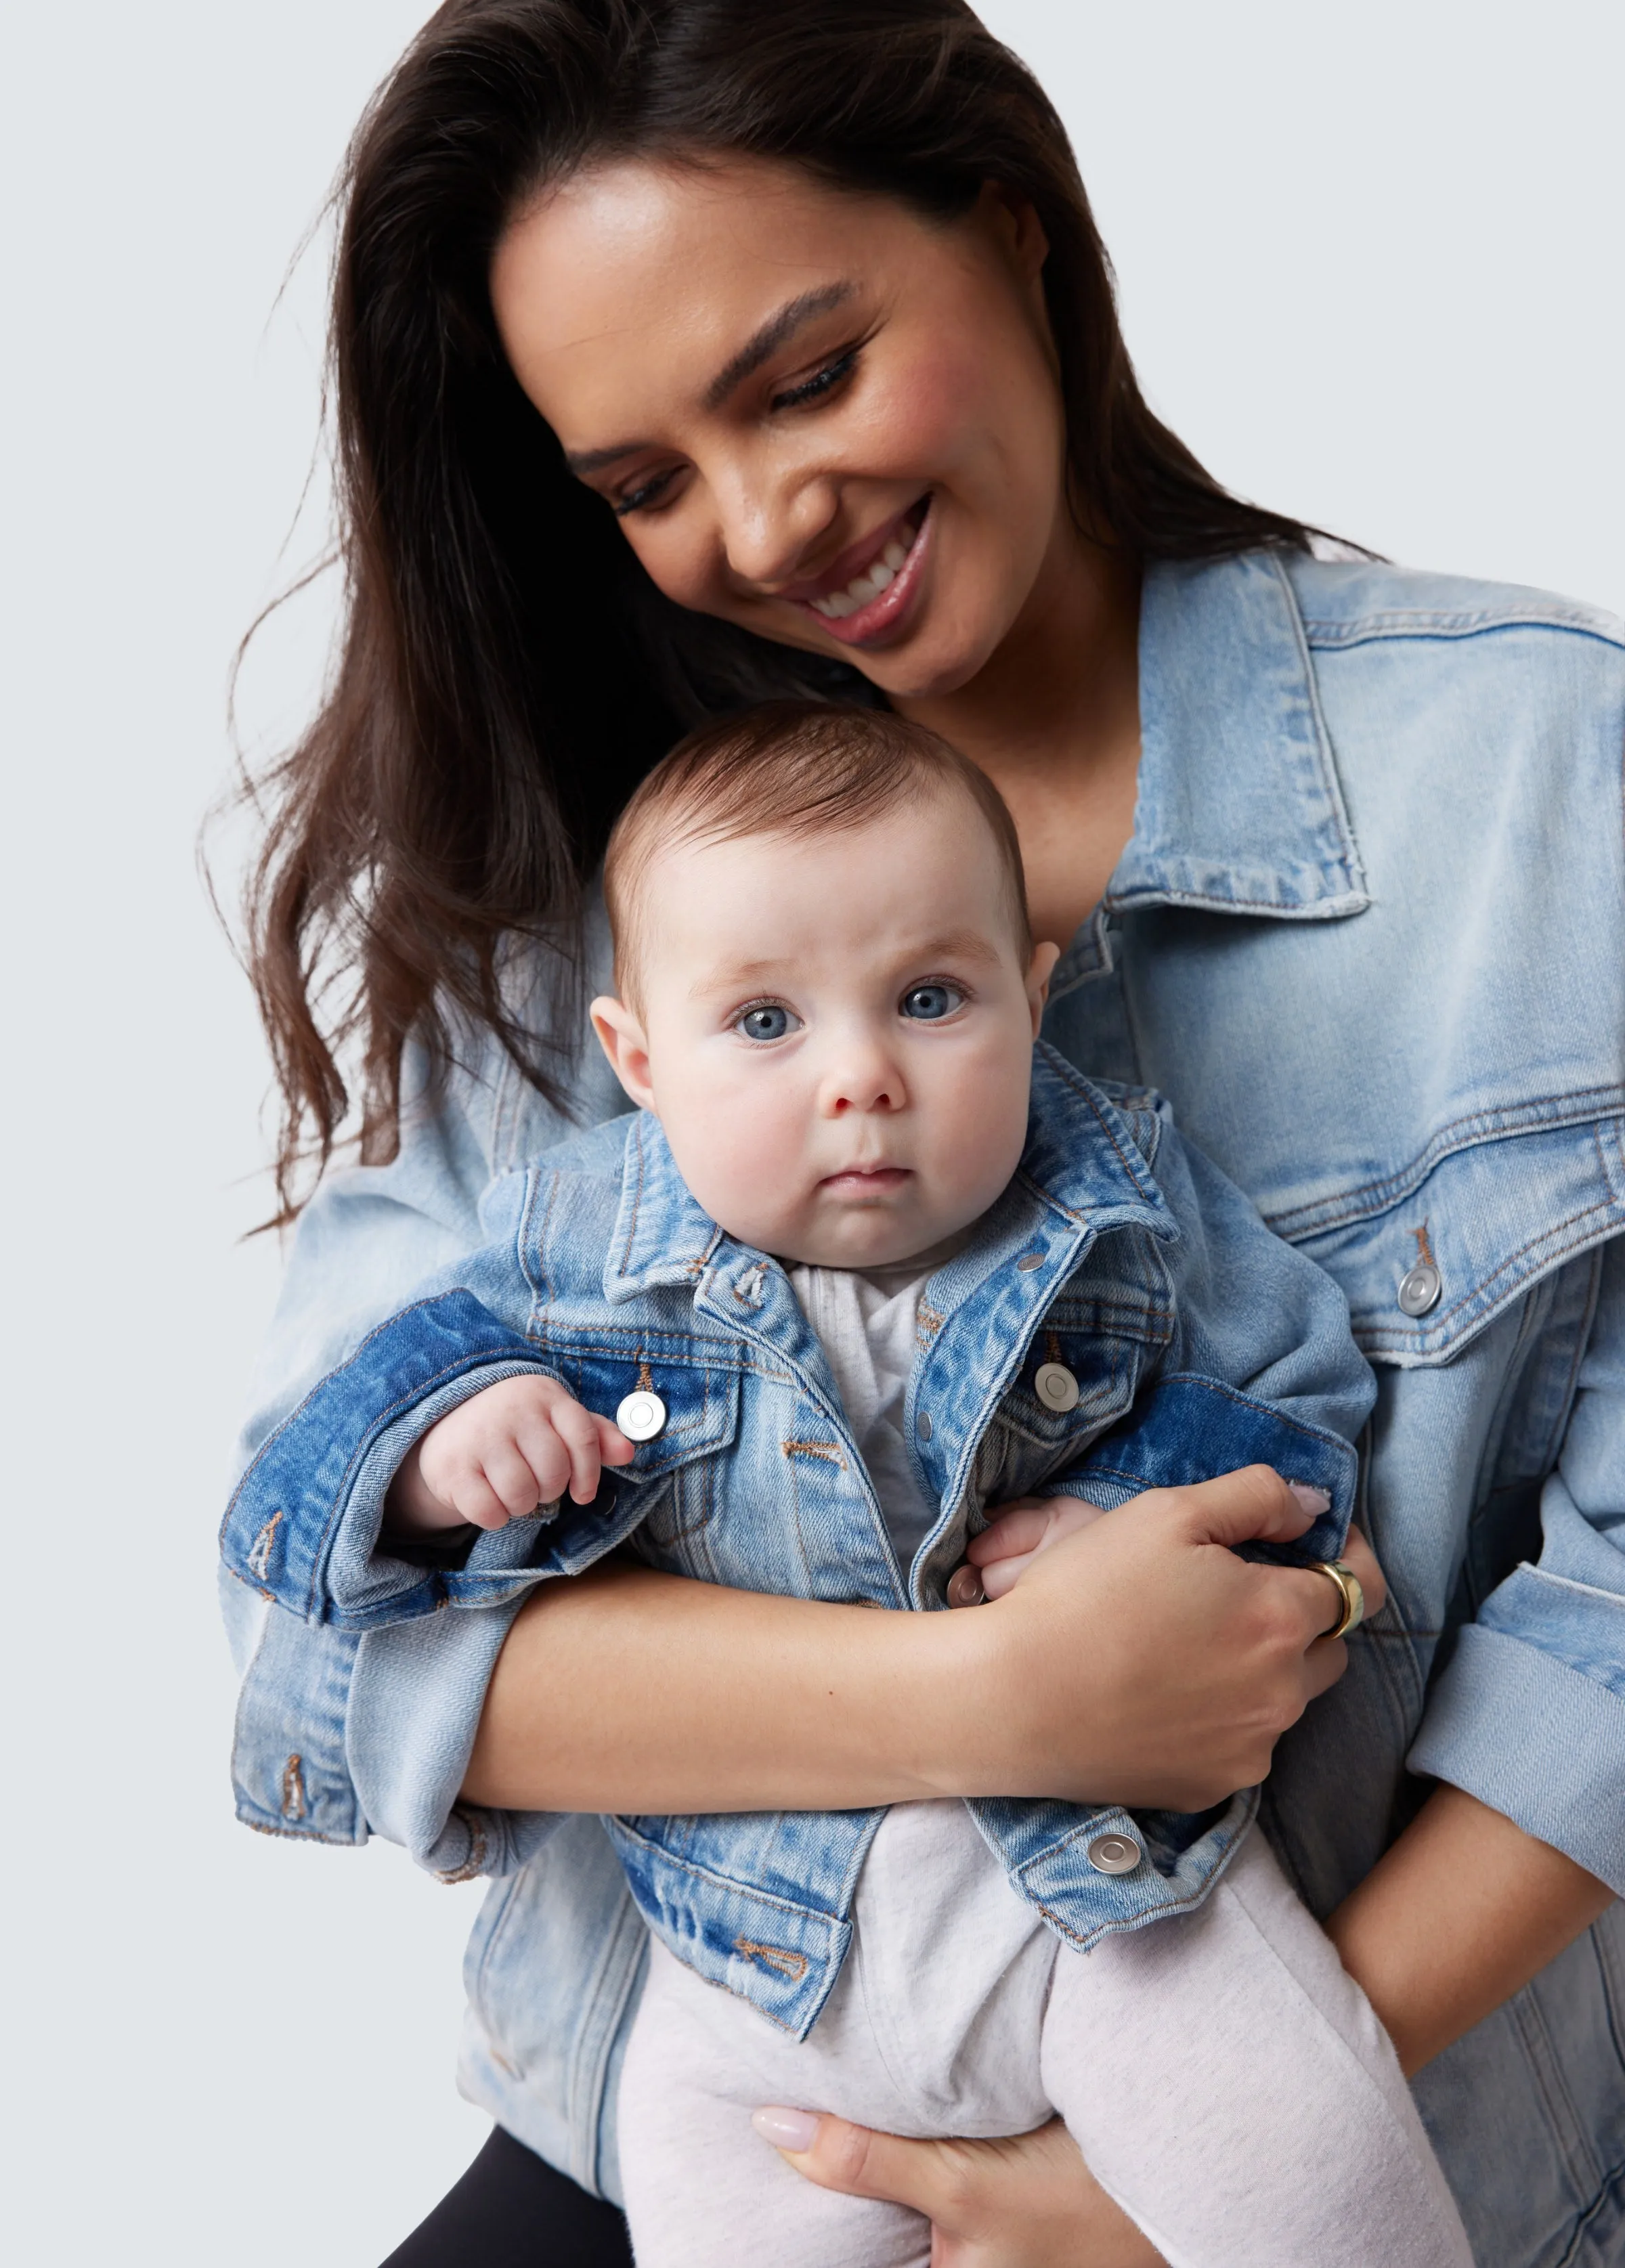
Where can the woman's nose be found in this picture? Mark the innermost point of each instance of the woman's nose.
(768, 519)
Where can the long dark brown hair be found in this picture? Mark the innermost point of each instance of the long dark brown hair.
(507, 672)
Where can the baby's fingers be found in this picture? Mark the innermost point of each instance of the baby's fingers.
(613, 1446)
(473, 1498)
(577, 1430)
(1017, 1531)
(510, 1474)
(537, 1439)
(1002, 1575)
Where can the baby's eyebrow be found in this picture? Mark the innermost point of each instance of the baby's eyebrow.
(920, 955)
(955, 945)
(731, 975)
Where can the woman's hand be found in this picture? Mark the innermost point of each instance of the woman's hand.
(1194, 1662)
(1027, 2202)
(996, 1560)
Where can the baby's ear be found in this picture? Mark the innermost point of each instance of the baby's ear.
(621, 1036)
(1039, 970)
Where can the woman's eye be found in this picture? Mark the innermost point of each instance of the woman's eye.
(768, 1021)
(639, 500)
(928, 1004)
(822, 381)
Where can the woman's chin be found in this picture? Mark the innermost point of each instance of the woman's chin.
(931, 670)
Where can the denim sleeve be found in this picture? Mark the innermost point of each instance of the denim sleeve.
(1529, 1713)
(1262, 1368)
(344, 1732)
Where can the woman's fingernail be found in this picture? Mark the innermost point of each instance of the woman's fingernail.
(786, 2130)
(1312, 1499)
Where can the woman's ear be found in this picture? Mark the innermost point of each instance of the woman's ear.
(621, 1036)
(1015, 220)
(1040, 968)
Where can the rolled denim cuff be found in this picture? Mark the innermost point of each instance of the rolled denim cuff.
(417, 1691)
(1536, 1740)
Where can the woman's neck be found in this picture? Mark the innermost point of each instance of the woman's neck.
(1053, 720)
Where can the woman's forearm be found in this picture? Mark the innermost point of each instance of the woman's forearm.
(1460, 1914)
(631, 1690)
(1138, 1661)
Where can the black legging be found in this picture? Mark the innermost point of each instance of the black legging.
(511, 2210)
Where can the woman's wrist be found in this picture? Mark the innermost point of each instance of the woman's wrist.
(1458, 1915)
(628, 1690)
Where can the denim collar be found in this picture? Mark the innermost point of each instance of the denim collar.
(1081, 1158)
(1239, 809)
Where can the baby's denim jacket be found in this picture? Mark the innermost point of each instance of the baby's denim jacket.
(1182, 1339)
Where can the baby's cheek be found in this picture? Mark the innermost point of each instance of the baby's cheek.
(741, 1158)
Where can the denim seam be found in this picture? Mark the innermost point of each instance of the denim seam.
(1474, 1131)
(687, 1349)
(1324, 634)
(636, 1141)
(1588, 2214)
(1332, 786)
(532, 1241)
(293, 1834)
(1563, 2118)
(726, 1883)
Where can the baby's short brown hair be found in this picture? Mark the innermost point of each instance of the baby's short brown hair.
(792, 767)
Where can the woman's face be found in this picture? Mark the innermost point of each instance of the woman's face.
(817, 414)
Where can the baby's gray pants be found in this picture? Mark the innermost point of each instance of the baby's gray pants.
(1225, 2079)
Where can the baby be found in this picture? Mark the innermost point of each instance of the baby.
(866, 1265)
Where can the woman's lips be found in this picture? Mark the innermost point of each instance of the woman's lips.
(878, 595)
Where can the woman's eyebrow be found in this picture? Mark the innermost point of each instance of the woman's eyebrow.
(765, 341)
(771, 336)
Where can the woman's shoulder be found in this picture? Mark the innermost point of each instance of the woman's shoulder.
(1346, 603)
(1473, 702)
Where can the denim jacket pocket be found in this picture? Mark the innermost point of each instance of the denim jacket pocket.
(695, 1383)
(1430, 1257)
(1105, 1346)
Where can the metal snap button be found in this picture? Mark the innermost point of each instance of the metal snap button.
(922, 1424)
(1114, 1854)
(641, 1416)
(1056, 1388)
(1420, 1289)
(1028, 1262)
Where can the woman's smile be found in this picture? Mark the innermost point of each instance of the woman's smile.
(872, 587)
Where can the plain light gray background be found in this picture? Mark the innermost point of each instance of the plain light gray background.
(1370, 271)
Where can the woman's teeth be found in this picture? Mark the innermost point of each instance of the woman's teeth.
(869, 586)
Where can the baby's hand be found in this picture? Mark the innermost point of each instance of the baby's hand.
(499, 1456)
(998, 1555)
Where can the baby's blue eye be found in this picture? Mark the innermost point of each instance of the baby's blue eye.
(768, 1023)
(927, 1003)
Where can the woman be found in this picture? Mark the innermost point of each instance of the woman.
(688, 352)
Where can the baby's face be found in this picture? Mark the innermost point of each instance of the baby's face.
(835, 1033)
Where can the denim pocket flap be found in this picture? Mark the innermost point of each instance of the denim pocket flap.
(1426, 1269)
(683, 1401)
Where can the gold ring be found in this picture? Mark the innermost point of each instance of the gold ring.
(1351, 1598)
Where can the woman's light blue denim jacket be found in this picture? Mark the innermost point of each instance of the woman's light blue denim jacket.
(1368, 938)
(1195, 1343)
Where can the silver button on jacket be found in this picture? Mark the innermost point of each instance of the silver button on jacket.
(642, 1416)
(1114, 1854)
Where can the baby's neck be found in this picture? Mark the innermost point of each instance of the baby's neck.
(924, 1263)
